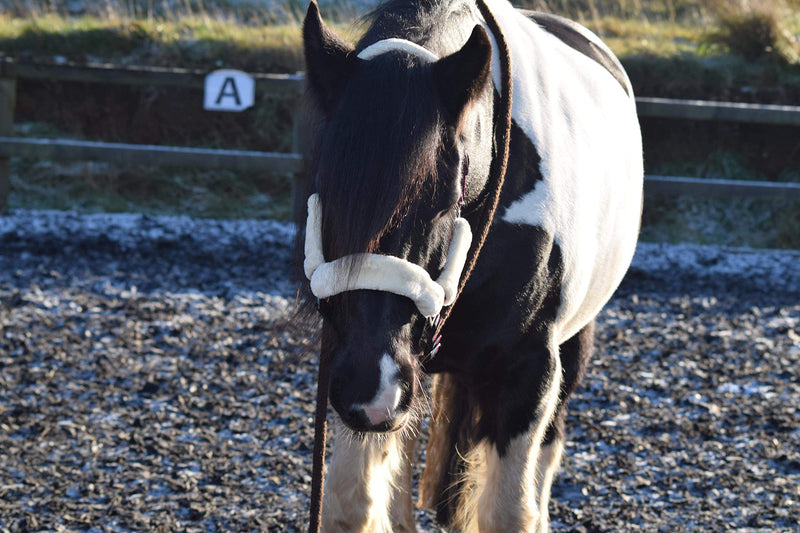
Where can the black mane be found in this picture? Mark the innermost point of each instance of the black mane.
(413, 20)
(381, 146)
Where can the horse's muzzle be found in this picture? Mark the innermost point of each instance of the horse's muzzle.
(384, 410)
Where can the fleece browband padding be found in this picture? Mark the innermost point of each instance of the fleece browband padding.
(389, 45)
(383, 272)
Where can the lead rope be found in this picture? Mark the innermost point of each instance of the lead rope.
(497, 175)
(320, 437)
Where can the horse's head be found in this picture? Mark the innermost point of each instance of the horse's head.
(397, 132)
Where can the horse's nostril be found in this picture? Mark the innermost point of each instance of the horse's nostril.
(355, 417)
(382, 410)
(383, 407)
(371, 402)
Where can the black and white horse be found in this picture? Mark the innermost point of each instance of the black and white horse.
(403, 150)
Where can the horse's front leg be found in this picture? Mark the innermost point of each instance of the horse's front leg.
(574, 355)
(402, 506)
(359, 481)
(503, 474)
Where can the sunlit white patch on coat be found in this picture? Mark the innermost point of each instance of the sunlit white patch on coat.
(360, 482)
(585, 130)
(383, 407)
(546, 467)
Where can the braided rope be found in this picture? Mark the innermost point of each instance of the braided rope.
(320, 439)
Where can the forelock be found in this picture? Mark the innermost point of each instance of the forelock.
(378, 151)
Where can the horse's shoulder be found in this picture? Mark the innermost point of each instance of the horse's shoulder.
(582, 40)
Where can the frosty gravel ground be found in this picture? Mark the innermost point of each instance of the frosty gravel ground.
(152, 379)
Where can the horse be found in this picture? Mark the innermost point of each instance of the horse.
(404, 146)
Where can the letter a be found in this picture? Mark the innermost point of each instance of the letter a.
(233, 92)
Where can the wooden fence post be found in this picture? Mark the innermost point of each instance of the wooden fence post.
(8, 97)
(300, 145)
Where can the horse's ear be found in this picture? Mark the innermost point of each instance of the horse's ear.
(461, 76)
(328, 62)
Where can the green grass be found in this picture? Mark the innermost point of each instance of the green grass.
(697, 12)
(101, 187)
(195, 40)
(736, 222)
(190, 42)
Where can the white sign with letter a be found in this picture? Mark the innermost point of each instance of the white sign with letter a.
(229, 90)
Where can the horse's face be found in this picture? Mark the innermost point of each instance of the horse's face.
(389, 165)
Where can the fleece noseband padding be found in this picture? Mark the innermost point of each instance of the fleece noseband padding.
(384, 272)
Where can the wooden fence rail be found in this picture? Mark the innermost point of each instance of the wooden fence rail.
(290, 86)
(719, 111)
(279, 85)
(146, 154)
(714, 188)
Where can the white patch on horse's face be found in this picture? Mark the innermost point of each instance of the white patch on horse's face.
(383, 406)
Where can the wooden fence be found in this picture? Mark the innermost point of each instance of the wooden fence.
(290, 86)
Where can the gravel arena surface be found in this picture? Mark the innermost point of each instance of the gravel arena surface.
(151, 379)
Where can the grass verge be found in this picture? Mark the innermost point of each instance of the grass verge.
(193, 41)
(730, 222)
(101, 187)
